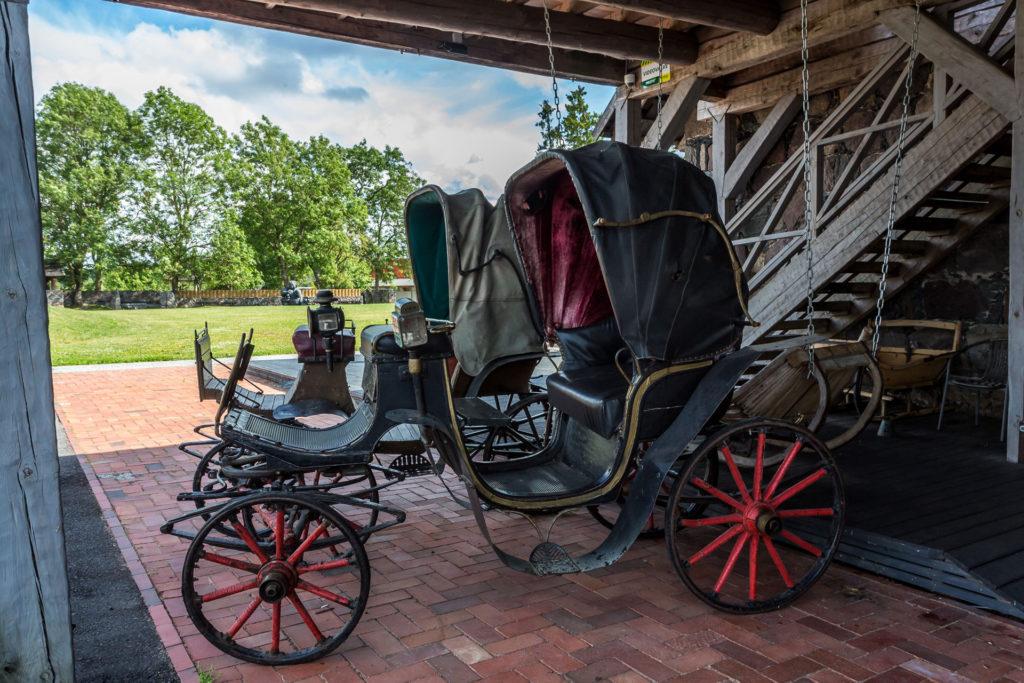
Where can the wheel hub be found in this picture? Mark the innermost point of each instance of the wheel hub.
(276, 580)
(759, 518)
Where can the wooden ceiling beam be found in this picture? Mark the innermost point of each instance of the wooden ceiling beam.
(753, 16)
(828, 20)
(519, 23)
(473, 49)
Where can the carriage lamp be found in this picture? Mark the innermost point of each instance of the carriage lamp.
(409, 324)
(326, 321)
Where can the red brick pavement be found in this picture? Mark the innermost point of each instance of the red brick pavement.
(443, 608)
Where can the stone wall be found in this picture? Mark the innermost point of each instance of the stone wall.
(55, 297)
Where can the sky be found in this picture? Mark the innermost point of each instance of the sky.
(461, 125)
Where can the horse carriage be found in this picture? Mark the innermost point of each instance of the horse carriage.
(626, 265)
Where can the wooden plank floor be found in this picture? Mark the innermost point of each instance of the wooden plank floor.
(951, 491)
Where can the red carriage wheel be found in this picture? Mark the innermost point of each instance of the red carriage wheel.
(766, 532)
(287, 586)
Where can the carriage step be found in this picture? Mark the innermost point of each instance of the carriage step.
(478, 413)
(801, 324)
(551, 558)
(409, 465)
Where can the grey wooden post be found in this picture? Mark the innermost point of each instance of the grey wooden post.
(627, 121)
(1015, 320)
(35, 619)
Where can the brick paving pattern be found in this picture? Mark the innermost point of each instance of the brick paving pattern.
(443, 608)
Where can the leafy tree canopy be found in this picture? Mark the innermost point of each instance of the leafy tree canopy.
(382, 179)
(577, 126)
(181, 201)
(88, 150)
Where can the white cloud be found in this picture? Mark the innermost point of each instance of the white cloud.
(238, 78)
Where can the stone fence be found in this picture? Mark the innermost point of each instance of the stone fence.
(133, 299)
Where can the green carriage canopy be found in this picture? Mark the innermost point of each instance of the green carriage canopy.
(466, 270)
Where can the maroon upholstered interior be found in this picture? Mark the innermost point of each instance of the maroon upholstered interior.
(559, 256)
(310, 348)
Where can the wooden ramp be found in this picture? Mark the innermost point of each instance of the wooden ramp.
(942, 511)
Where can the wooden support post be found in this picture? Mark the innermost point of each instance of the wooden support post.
(627, 121)
(950, 52)
(35, 620)
(940, 79)
(723, 150)
(675, 112)
(1015, 319)
(759, 145)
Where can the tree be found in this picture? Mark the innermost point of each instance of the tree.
(88, 144)
(231, 262)
(329, 214)
(181, 200)
(577, 127)
(264, 192)
(382, 179)
(297, 205)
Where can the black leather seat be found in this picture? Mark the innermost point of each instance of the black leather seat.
(594, 396)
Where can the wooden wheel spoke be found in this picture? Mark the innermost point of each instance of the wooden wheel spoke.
(275, 628)
(713, 521)
(759, 464)
(250, 542)
(717, 493)
(324, 566)
(807, 512)
(755, 541)
(735, 472)
(244, 616)
(301, 550)
(730, 563)
(798, 487)
(233, 589)
(229, 562)
(800, 543)
(306, 617)
(781, 472)
(279, 539)
(780, 566)
(323, 593)
(722, 539)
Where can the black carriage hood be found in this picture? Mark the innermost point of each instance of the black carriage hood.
(676, 287)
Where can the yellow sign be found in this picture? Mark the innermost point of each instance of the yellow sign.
(649, 73)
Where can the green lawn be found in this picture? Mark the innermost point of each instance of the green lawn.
(80, 337)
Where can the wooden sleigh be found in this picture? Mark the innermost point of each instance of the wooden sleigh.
(786, 390)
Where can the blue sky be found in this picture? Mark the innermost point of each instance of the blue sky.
(461, 125)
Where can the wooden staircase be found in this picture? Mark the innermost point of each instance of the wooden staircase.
(955, 180)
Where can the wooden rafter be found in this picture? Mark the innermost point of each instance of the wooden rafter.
(473, 49)
(758, 147)
(518, 23)
(957, 57)
(829, 20)
(755, 16)
(676, 110)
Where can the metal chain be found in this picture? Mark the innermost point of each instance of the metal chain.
(808, 208)
(554, 77)
(661, 52)
(898, 167)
